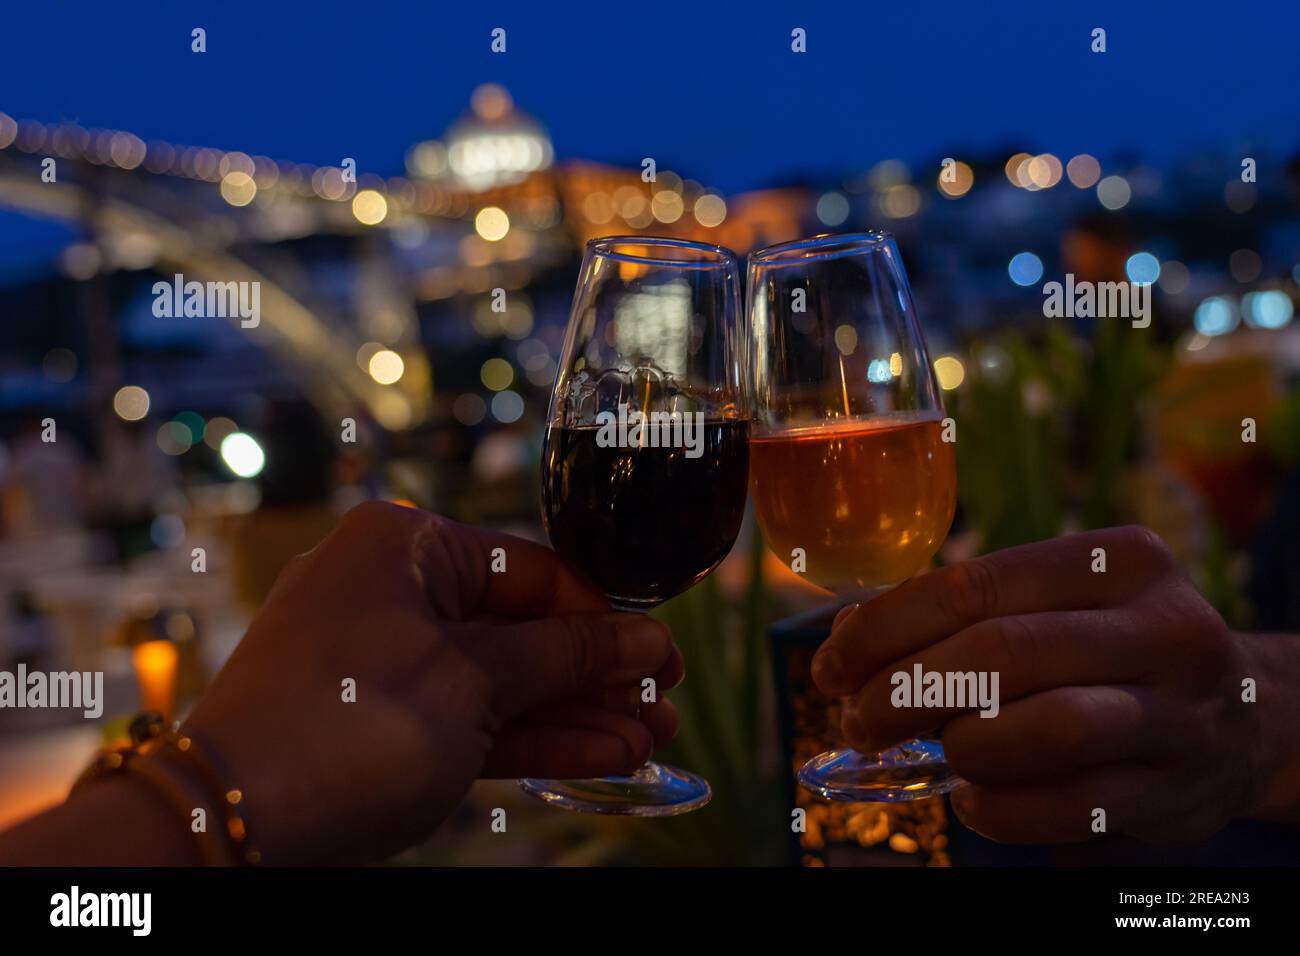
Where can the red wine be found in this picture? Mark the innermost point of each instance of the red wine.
(644, 523)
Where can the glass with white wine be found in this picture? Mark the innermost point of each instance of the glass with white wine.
(847, 458)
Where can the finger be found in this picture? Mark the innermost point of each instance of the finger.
(1117, 798)
(565, 735)
(560, 657)
(1060, 733)
(628, 698)
(665, 679)
(559, 753)
(843, 613)
(463, 571)
(659, 718)
(474, 571)
(672, 673)
(1054, 575)
(623, 699)
(1005, 659)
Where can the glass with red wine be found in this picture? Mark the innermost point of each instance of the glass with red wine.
(645, 467)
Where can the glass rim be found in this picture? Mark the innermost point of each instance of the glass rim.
(712, 256)
(825, 245)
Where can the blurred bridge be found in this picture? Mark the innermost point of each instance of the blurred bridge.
(482, 210)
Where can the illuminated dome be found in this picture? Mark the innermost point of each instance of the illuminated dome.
(492, 145)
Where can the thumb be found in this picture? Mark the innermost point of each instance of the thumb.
(556, 657)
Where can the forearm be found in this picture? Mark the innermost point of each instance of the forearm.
(115, 822)
(1274, 664)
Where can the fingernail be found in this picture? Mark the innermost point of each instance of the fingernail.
(828, 671)
(642, 642)
(843, 613)
(631, 760)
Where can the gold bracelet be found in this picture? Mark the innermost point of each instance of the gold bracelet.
(187, 783)
(228, 799)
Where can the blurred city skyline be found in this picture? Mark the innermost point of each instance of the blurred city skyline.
(717, 96)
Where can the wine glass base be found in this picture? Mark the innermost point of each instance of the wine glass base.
(910, 771)
(656, 790)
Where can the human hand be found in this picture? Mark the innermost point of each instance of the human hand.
(1120, 690)
(460, 673)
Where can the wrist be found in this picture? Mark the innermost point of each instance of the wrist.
(253, 767)
(120, 821)
(182, 776)
(153, 832)
(186, 770)
(1273, 662)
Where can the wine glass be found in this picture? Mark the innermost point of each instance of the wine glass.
(646, 461)
(852, 480)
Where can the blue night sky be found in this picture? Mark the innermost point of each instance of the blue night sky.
(710, 90)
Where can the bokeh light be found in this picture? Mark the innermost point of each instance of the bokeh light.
(846, 339)
(950, 372)
(507, 407)
(597, 207)
(1043, 171)
(956, 180)
(1271, 309)
(666, 206)
(1083, 171)
(81, 260)
(899, 202)
(878, 371)
(492, 223)
(174, 438)
(710, 210)
(1113, 192)
(369, 207)
(131, 403)
(1142, 268)
(238, 188)
(496, 374)
(385, 366)
(216, 430)
(193, 422)
(1014, 168)
(1217, 315)
(832, 209)
(1025, 268)
(243, 455)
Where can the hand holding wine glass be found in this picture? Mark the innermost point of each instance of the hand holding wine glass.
(1121, 690)
(455, 672)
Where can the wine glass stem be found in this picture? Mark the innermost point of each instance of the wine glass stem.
(631, 704)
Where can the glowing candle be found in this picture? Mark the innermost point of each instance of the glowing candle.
(155, 671)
